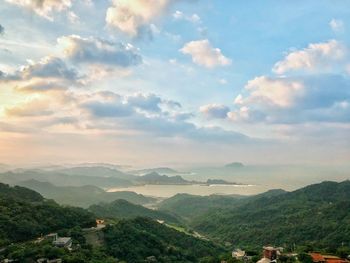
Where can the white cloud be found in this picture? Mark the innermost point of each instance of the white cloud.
(215, 111)
(280, 92)
(48, 67)
(316, 57)
(204, 54)
(194, 18)
(337, 25)
(297, 99)
(133, 16)
(44, 8)
(98, 51)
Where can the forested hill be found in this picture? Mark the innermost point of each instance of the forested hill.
(25, 215)
(317, 214)
(82, 196)
(141, 238)
(19, 193)
(190, 206)
(124, 209)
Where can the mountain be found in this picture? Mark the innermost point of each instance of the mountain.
(82, 196)
(160, 170)
(155, 178)
(234, 165)
(25, 215)
(144, 240)
(97, 171)
(317, 214)
(61, 179)
(19, 193)
(219, 181)
(124, 209)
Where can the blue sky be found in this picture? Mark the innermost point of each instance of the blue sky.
(168, 81)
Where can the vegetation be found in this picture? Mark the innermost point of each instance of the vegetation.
(190, 206)
(124, 209)
(318, 215)
(138, 239)
(81, 253)
(25, 215)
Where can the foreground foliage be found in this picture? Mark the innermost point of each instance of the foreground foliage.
(25, 215)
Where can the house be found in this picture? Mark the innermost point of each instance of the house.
(270, 254)
(100, 222)
(319, 258)
(238, 254)
(65, 242)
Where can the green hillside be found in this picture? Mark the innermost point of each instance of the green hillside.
(317, 214)
(138, 239)
(25, 215)
(190, 206)
(124, 209)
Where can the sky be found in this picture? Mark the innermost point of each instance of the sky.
(175, 82)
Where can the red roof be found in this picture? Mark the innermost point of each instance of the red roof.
(317, 257)
(336, 260)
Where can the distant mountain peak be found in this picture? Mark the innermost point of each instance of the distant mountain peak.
(234, 165)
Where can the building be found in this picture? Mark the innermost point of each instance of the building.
(270, 254)
(100, 222)
(65, 242)
(319, 258)
(238, 254)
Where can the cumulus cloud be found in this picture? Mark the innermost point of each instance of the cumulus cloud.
(48, 67)
(204, 54)
(44, 8)
(280, 91)
(194, 18)
(148, 102)
(337, 25)
(316, 57)
(295, 99)
(98, 51)
(318, 92)
(215, 111)
(48, 74)
(134, 16)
